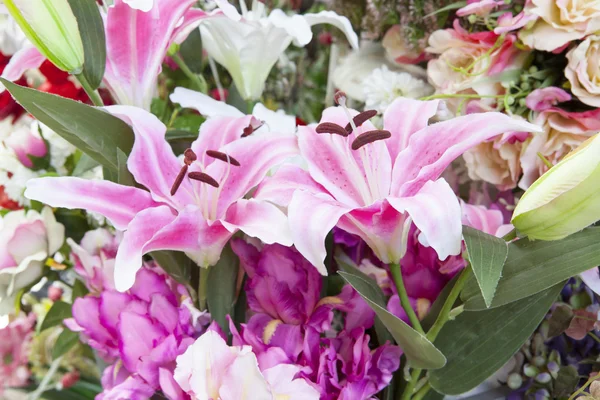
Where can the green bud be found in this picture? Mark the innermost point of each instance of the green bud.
(514, 381)
(472, 18)
(52, 27)
(530, 370)
(525, 85)
(533, 69)
(539, 361)
(510, 100)
(544, 377)
(565, 199)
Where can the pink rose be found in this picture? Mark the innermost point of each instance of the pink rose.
(543, 99)
(583, 71)
(398, 50)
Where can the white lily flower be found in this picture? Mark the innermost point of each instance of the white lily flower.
(249, 44)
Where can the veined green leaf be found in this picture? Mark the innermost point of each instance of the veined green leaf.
(56, 315)
(220, 290)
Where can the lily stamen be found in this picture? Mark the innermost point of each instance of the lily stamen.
(205, 178)
(189, 156)
(370, 137)
(361, 119)
(249, 130)
(223, 157)
(331, 128)
(179, 179)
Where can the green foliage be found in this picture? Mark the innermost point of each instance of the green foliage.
(221, 287)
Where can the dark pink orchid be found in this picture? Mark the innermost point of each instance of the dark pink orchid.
(198, 218)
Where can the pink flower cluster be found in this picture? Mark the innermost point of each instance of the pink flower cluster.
(14, 350)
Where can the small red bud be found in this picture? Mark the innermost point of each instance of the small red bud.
(55, 293)
(325, 38)
(69, 379)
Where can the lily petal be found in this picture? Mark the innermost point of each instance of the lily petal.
(261, 220)
(152, 161)
(257, 155)
(23, 60)
(142, 5)
(340, 22)
(433, 148)
(116, 202)
(136, 43)
(403, 118)
(295, 25)
(436, 212)
(280, 187)
(204, 104)
(311, 217)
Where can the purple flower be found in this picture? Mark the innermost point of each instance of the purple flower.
(146, 327)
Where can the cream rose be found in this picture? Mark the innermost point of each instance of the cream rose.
(583, 71)
(560, 22)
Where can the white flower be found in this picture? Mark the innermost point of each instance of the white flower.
(12, 38)
(249, 44)
(26, 240)
(383, 86)
(14, 175)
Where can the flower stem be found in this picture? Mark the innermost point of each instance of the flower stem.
(422, 392)
(197, 79)
(414, 379)
(202, 288)
(447, 308)
(404, 301)
(585, 385)
(92, 94)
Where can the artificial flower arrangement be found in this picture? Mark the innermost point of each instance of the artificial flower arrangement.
(206, 200)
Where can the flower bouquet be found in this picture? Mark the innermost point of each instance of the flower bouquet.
(337, 199)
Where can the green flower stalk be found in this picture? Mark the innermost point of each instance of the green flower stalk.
(565, 199)
(52, 27)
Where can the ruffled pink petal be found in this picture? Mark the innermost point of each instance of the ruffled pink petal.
(311, 217)
(545, 98)
(152, 161)
(403, 118)
(433, 148)
(257, 155)
(436, 212)
(481, 218)
(25, 59)
(280, 187)
(136, 44)
(259, 219)
(139, 335)
(116, 202)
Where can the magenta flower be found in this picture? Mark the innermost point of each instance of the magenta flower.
(375, 183)
(194, 205)
(14, 351)
(145, 328)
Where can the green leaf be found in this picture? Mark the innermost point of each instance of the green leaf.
(191, 51)
(174, 263)
(478, 343)
(189, 122)
(79, 290)
(220, 293)
(533, 266)
(566, 382)
(91, 30)
(93, 131)
(560, 320)
(438, 304)
(419, 351)
(65, 342)
(449, 7)
(124, 177)
(375, 293)
(180, 134)
(487, 254)
(75, 222)
(56, 315)
(84, 164)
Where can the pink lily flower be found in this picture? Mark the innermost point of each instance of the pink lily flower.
(137, 41)
(194, 205)
(376, 183)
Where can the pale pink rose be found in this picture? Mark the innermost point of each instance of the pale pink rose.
(210, 369)
(508, 23)
(562, 132)
(583, 71)
(397, 48)
(478, 54)
(560, 22)
(543, 99)
(479, 7)
(14, 351)
(496, 162)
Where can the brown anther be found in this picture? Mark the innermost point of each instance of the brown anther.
(330, 127)
(369, 137)
(361, 119)
(340, 98)
(202, 177)
(223, 157)
(179, 179)
(190, 156)
(249, 130)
